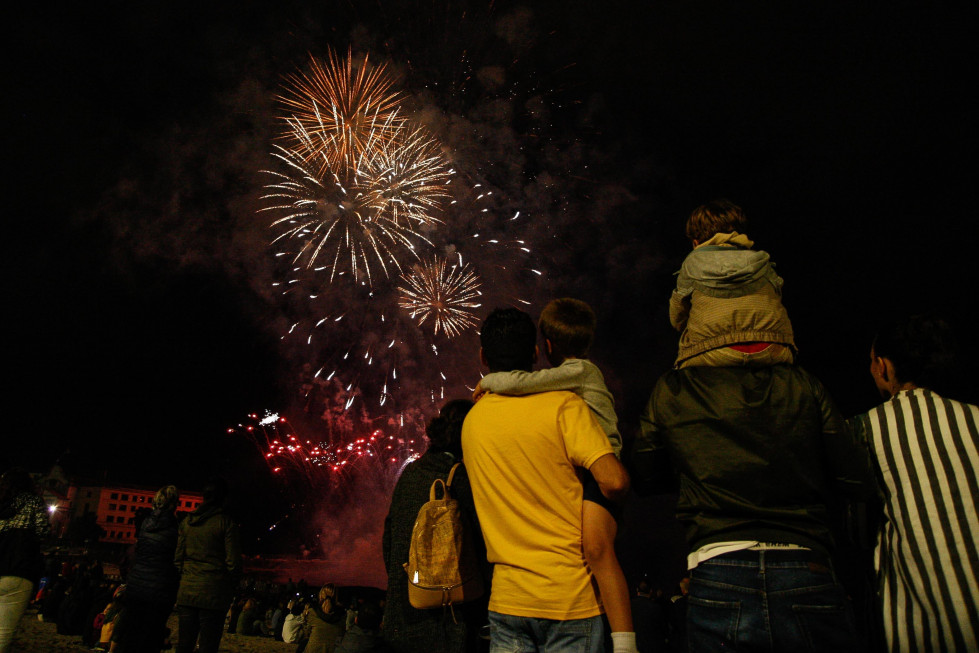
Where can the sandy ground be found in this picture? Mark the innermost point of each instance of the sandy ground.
(34, 636)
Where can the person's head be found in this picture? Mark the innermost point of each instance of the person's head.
(215, 492)
(166, 499)
(445, 431)
(328, 596)
(716, 217)
(508, 340)
(916, 351)
(15, 481)
(369, 615)
(568, 327)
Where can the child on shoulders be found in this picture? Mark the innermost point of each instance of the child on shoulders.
(728, 298)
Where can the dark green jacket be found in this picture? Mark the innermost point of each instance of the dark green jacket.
(208, 558)
(759, 453)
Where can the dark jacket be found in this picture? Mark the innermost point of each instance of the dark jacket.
(23, 522)
(208, 557)
(405, 627)
(153, 578)
(759, 453)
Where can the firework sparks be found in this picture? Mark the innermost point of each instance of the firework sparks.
(316, 463)
(365, 215)
(443, 292)
(348, 110)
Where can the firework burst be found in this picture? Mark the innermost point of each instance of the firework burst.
(358, 217)
(443, 292)
(358, 447)
(347, 108)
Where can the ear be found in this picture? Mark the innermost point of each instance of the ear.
(537, 352)
(886, 369)
(482, 358)
(550, 348)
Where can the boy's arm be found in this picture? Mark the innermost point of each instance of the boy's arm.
(562, 377)
(679, 310)
(680, 299)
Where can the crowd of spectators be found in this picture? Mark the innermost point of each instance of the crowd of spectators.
(86, 604)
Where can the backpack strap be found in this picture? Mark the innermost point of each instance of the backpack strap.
(446, 484)
(433, 493)
(452, 473)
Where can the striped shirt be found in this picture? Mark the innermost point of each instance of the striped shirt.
(927, 452)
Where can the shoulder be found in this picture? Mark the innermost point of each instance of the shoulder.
(586, 367)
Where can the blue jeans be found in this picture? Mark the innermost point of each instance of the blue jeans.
(510, 634)
(773, 600)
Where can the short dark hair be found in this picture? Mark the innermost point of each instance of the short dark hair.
(508, 338)
(570, 326)
(716, 217)
(445, 431)
(922, 349)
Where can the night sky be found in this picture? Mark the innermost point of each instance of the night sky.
(138, 270)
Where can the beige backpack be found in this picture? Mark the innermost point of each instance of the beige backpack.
(442, 566)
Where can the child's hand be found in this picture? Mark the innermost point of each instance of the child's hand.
(478, 393)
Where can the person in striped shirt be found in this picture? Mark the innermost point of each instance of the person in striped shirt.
(925, 447)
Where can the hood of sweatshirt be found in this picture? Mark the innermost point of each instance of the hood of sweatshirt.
(203, 513)
(726, 261)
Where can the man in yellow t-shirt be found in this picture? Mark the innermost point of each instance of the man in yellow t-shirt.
(521, 454)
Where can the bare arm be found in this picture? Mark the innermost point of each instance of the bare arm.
(611, 476)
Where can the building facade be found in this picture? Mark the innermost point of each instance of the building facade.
(115, 508)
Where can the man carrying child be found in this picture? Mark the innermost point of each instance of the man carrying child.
(568, 328)
(522, 453)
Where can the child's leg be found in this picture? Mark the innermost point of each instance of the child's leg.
(598, 538)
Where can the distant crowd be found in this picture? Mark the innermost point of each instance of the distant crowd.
(501, 537)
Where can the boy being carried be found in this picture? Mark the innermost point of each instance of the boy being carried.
(568, 327)
(728, 298)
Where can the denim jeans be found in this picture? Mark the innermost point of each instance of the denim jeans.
(510, 634)
(772, 600)
(15, 594)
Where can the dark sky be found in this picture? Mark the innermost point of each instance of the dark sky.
(142, 324)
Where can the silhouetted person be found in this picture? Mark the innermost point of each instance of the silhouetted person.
(407, 628)
(151, 586)
(208, 558)
(23, 522)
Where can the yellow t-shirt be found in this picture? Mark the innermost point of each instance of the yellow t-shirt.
(521, 454)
